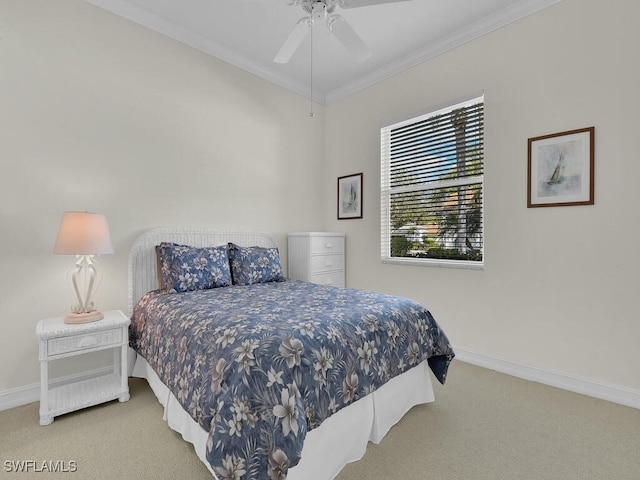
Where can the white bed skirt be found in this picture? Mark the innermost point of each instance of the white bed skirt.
(341, 439)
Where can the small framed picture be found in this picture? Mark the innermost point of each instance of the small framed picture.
(350, 197)
(561, 169)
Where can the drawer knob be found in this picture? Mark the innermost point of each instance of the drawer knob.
(87, 342)
(329, 245)
(328, 264)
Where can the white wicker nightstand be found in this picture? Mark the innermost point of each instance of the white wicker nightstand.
(60, 340)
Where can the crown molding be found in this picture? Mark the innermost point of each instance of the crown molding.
(482, 27)
(159, 24)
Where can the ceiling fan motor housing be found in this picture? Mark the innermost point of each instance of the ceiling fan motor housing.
(318, 9)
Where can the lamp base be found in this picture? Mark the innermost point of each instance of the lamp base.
(83, 317)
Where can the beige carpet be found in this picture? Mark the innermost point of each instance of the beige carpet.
(483, 425)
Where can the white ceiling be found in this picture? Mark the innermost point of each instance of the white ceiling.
(249, 33)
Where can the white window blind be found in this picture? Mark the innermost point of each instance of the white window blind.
(432, 187)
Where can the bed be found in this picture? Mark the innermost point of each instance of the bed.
(205, 351)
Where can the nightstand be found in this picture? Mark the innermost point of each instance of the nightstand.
(317, 257)
(59, 340)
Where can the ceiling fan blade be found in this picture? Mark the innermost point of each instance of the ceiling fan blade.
(294, 40)
(366, 3)
(348, 37)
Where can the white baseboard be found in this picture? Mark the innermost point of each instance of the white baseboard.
(16, 397)
(585, 386)
(593, 388)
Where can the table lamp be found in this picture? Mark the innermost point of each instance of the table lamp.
(84, 235)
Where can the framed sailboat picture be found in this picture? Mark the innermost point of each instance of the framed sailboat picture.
(561, 169)
(350, 197)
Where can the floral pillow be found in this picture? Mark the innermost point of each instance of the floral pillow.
(186, 268)
(254, 265)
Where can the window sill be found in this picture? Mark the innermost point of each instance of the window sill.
(433, 262)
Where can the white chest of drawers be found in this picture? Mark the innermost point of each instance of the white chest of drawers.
(317, 257)
(59, 340)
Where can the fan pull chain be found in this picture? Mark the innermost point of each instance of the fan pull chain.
(311, 114)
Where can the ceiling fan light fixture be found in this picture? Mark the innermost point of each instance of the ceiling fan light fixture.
(318, 10)
(324, 9)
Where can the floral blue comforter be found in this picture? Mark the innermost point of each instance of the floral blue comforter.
(257, 366)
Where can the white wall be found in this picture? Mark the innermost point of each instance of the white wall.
(99, 114)
(560, 286)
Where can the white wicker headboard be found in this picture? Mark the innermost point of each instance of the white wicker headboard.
(142, 257)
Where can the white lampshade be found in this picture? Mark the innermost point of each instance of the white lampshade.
(83, 233)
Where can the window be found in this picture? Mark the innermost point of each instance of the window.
(432, 187)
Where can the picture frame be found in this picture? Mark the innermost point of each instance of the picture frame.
(350, 197)
(561, 169)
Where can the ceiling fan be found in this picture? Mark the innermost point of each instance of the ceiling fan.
(318, 10)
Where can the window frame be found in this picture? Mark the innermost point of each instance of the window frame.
(386, 190)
